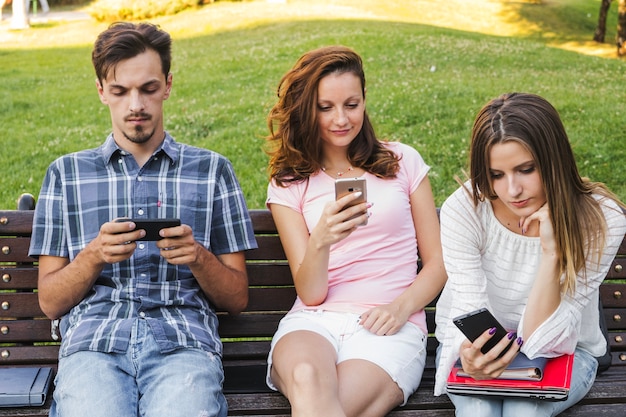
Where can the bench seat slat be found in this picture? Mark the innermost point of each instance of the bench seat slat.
(26, 411)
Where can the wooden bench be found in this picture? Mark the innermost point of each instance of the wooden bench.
(25, 337)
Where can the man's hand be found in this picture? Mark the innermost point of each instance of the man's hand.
(116, 241)
(178, 245)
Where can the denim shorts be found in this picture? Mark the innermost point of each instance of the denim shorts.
(401, 355)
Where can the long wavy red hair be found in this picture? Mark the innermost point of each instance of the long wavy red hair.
(294, 142)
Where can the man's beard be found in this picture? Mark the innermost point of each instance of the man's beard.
(140, 135)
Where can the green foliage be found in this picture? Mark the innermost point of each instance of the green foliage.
(425, 85)
(114, 10)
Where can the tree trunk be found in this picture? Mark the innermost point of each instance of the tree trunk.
(600, 32)
(621, 28)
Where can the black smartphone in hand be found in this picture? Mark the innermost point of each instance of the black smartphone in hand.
(475, 323)
(152, 226)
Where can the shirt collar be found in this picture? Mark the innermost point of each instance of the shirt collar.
(169, 147)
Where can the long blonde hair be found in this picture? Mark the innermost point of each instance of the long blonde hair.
(577, 218)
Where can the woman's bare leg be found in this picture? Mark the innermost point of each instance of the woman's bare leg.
(304, 370)
(366, 390)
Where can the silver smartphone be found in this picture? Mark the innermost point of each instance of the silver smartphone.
(345, 186)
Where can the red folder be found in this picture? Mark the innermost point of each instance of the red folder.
(554, 385)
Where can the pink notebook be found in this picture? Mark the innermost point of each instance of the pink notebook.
(554, 385)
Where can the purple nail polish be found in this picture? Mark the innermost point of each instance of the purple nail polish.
(492, 331)
(511, 335)
(520, 342)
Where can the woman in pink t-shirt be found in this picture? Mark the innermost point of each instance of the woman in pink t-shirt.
(354, 343)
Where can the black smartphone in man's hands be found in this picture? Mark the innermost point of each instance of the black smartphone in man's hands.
(152, 226)
(475, 323)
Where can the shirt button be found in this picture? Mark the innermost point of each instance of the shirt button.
(141, 246)
(140, 212)
(140, 178)
(142, 314)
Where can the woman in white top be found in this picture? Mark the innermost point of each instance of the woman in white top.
(531, 241)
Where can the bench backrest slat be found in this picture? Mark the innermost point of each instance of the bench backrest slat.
(18, 278)
(25, 333)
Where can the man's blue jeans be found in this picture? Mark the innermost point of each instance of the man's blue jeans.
(141, 382)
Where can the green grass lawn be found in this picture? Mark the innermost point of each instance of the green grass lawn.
(425, 82)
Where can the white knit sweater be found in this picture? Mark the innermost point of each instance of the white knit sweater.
(490, 266)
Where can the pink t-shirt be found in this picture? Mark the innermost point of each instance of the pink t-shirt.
(377, 262)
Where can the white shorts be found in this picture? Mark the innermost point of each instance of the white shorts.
(402, 355)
